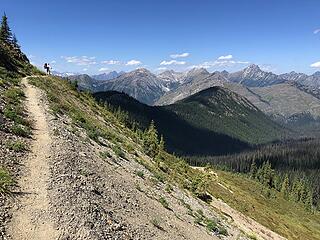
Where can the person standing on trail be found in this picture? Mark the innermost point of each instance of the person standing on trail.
(45, 66)
(48, 69)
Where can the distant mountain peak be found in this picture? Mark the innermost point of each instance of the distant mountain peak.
(253, 68)
(198, 71)
(316, 74)
(107, 76)
(142, 70)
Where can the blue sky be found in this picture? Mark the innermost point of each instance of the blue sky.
(92, 36)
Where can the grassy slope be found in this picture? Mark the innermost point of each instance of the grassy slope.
(249, 197)
(14, 126)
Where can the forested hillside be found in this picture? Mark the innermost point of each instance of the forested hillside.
(212, 122)
(221, 110)
(181, 137)
(292, 168)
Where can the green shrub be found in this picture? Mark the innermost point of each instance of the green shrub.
(160, 177)
(156, 222)
(164, 202)
(168, 188)
(118, 151)
(105, 155)
(211, 225)
(17, 146)
(13, 95)
(10, 113)
(92, 133)
(5, 181)
(129, 148)
(20, 130)
(140, 174)
(199, 216)
(251, 236)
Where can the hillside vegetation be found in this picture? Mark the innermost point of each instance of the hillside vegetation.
(15, 127)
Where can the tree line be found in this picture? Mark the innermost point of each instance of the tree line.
(292, 168)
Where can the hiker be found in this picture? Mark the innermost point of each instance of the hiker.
(47, 68)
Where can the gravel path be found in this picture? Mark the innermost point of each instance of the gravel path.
(30, 218)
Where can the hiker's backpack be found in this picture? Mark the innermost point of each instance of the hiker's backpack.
(45, 66)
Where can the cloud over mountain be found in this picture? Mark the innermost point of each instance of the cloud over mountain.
(80, 60)
(133, 62)
(315, 65)
(181, 55)
(172, 62)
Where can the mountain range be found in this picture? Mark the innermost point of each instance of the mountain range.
(291, 98)
(107, 76)
(100, 77)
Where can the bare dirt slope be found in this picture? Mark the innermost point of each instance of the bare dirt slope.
(30, 217)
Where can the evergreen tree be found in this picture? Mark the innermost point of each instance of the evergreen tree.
(309, 201)
(265, 174)
(285, 186)
(5, 31)
(253, 170)
(15, 42)
(150, 143)
(161, 144)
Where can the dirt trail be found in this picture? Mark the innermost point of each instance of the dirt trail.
(31, 218)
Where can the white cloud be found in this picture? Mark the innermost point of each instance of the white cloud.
(85, 69)
(316, 31)
(172, 62)
(133, 62)
(103, 69)
(111, 62)
(222, 61)
(53, 61)
(181, 55)
(81, 60)
(315, 65)
(225, 57)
